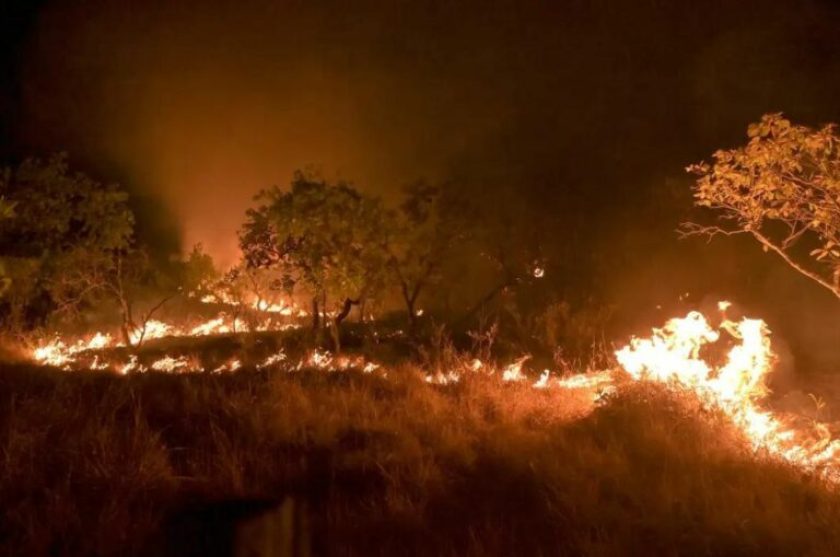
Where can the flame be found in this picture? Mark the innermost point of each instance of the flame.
(725, 365)
(232, 365)
(513, 372)
(443, 378)
(542, 382)
(61, 353)
(170, 364)
(672, 355)
(283, 307)
(152, 329)
(274, 359)
(214, 326)
(601, 381)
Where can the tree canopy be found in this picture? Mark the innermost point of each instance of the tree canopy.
(58, 211)
(423, 237)
(64, 244)
(783, 189)
(327, 238)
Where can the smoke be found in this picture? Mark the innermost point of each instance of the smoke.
(587, 110)
(203, 108)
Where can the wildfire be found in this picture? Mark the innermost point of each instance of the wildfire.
(61, 353)
(282, 307)
(725, 365)
(513, 372)
(673, 355)
(681, 354)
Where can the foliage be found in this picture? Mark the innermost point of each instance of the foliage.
(573, 336)
(70, 233)
(783, 189)
(197, 272)
(511, 232)
(57, 210)
(248, 291)
(502, 233)
(423, 238)
(326, 238)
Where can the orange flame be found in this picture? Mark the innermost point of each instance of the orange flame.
(672, 355)
(679, 354)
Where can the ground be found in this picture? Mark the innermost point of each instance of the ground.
(354, 463)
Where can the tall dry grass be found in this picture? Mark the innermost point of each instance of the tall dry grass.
(95, 464)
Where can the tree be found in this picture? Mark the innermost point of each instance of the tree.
(70, 243)
(197, 272)
(783, 189)
(326, 238)
(249, 292)
(57, 211)
(423, 236)
(502, 229)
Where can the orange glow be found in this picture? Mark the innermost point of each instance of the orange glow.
(725, 366)
(672, 355)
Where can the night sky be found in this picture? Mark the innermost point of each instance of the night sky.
(587, 111)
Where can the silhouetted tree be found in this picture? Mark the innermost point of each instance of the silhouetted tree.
(502, 229)
(69, 240)
(424, 235)
(197, 272)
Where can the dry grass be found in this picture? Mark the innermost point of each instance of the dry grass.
(99, 464)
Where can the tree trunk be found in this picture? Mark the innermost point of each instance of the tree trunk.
(345, 310)
(125, 334)
(410, 303)
(127, 326)
(341, 316)
(362, 304)
(336, 338)
(316, 314)
(484, 301)
(412, 315)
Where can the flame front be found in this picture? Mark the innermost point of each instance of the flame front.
(726, 366)
(672, 355)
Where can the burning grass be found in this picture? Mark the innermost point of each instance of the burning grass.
(677, 452)
(97, 463)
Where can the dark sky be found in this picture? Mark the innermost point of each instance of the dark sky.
(588, 110)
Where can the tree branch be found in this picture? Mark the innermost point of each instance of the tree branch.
(693, 229)
(802, 270)
(687, 229)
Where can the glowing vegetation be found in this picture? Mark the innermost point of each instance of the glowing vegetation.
(388, 431)
(387, 461)
(782, 189)
(679, 355)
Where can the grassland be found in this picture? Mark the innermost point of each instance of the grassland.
(152, 464)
